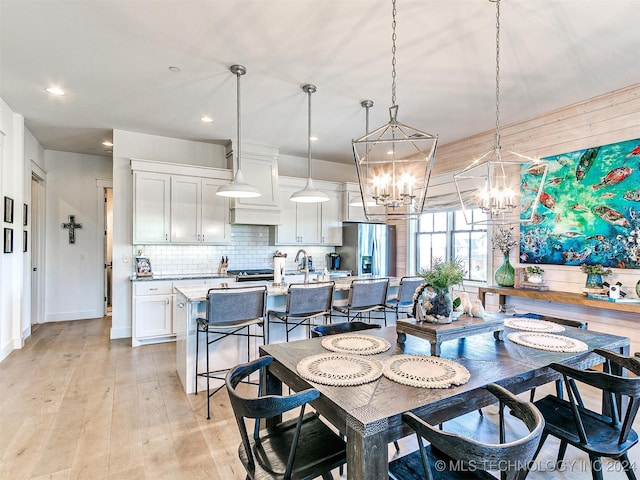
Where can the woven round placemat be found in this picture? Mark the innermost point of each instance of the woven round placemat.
(338, 369)
(425, 372)
(533, 325)
(548, 341)
(356, 343)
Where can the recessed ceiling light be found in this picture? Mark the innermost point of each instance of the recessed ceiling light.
(313, 138)
(206, 119)
(107, 144)
(175, 69)
(55, 91)
(109, 151)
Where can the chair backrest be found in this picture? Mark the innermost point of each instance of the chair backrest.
(305, 298)
(260, 407)
(407, 288)
(561, 321)
(511, 458)
(345, 327)
(368, 293)
(613, 385)
(229, 306)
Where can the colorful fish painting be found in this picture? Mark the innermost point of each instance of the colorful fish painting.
(588, 210)
(586, 161)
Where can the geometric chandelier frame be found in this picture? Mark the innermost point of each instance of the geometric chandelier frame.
(492, 183)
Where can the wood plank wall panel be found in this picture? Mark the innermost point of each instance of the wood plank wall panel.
(608, 118)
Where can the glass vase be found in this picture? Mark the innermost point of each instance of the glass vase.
(505, 275)
(441, 303)
(594, 280)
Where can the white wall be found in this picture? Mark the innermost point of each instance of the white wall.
(127, 145)
(74, 282)
(11, 264)
(33, 155)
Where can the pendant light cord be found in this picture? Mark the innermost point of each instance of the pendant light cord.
(309, 92)
(238, 74)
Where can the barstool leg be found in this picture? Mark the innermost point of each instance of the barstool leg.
(208, 391)
(197, 342)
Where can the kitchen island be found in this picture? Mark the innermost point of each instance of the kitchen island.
(191, 304)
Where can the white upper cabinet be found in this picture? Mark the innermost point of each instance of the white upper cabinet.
(198, 215)
(174, 208)
(309, 223)
(151, 217)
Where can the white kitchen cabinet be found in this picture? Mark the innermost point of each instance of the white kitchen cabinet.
(152, 312)
(300, 222)
(331, 219)
(151, 207)
(198, 215)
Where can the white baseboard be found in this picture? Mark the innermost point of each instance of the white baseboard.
(83, 315)
(120, 333)
(6, 350)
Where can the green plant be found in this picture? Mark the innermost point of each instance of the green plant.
(457, 302)
(444, 274)
(596, 269)
(534, 270)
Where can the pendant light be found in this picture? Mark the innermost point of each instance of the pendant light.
(366, 195)
(238, 188)
(394, 161)
(309, 194)
(491, 183)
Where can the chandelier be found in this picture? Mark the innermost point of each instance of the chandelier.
(491, 183)
(394, 161)
(238, 188)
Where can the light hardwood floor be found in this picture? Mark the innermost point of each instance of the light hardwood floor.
(74, 404)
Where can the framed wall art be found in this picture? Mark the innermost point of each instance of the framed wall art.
(8, 210)
(8, 240)
(589, 210)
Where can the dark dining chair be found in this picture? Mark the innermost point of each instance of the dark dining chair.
(300, 448)
(365, 296)
(582, 324)
(454, 457)
(343, 327)
(231, 312)
(607, 433)
(305, 301)
(403, 300)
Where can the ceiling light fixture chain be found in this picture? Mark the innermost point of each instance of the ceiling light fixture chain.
(497, 75)
(393, 56)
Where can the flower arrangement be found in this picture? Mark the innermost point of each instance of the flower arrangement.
(596, 269)
(444, 274)
(502, 239)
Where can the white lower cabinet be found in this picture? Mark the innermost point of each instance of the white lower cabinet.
(152, 312)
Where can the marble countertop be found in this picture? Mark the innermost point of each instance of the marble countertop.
(198, 293)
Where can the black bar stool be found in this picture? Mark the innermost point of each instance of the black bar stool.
(230, 312)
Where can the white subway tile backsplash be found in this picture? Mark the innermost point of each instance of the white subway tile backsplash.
(249, 249)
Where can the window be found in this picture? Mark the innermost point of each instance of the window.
(446, 235)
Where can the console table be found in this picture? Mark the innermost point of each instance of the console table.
(555, 296)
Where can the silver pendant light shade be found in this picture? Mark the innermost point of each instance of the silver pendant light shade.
(238, 188)
(309, 194)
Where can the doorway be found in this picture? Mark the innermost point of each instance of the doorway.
(36, 244)
(108, 243)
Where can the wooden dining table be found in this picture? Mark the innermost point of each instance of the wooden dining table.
(370, 415)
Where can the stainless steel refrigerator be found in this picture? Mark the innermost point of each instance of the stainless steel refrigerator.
(368, 249)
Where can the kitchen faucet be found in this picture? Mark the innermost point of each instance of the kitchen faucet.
(305, 262)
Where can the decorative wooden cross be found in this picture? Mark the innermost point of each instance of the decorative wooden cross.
(72, 225)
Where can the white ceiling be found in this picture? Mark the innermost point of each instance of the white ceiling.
(112, 56)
